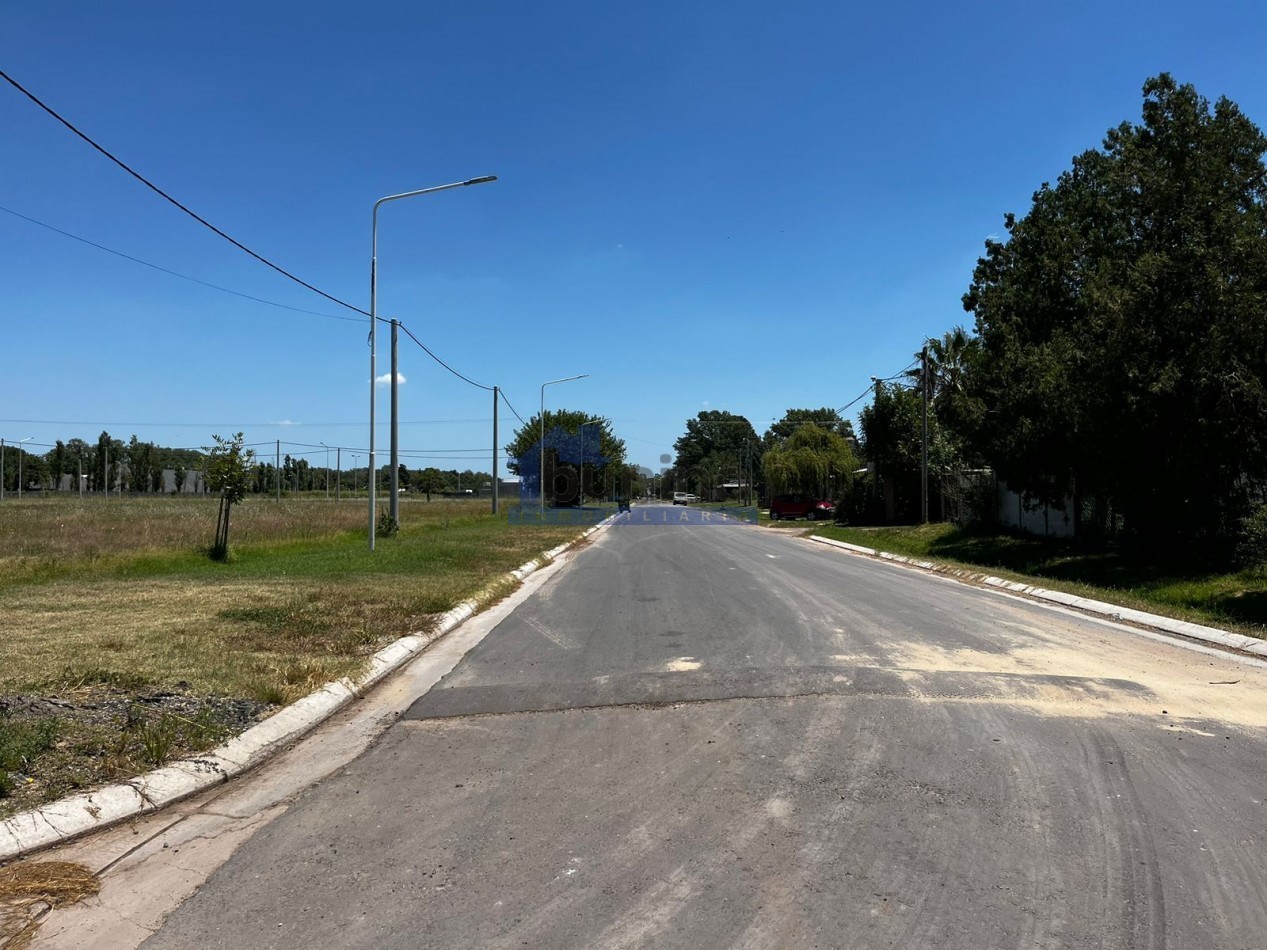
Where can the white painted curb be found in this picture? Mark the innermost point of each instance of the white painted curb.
(80, 814)
(1193, 631)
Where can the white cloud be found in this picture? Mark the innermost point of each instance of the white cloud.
(287, 422)
(386, 379)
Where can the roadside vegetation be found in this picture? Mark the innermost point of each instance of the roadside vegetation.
(124, 645)
(1233, 600)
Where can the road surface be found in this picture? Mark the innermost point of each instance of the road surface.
(717, 735)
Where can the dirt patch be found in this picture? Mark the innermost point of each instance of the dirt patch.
(1189, 686)
(29, 890)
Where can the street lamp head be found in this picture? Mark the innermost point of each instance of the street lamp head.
(480, 180)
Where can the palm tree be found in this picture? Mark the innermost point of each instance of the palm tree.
(949, 360)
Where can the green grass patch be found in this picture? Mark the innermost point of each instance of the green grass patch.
(1229, 600)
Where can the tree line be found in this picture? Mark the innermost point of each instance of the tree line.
(1117, 362)
(137, 467)
(109, 463)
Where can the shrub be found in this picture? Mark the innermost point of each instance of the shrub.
(1251, 539)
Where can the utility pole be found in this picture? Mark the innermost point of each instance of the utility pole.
(105, 473)
(278, 479)
(338, 478)
(875, 463)
(923, 468)
(1, 469)
(496, 396)
(394, 503)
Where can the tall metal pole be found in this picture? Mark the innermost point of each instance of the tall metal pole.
(923, 471)
(875, 463)
(278, 470)
(542, 444)
(1, 469)
(541, 455)
(374, 313)
(373, 347)
(394, 504)
(338, 477)
(327, 448)
(496, 398)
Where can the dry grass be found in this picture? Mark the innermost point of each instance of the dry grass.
(53, 527)
(27, 889)
(121, 592)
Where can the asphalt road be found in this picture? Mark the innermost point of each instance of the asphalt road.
(717, 735)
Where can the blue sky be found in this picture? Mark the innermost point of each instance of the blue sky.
(742, 206)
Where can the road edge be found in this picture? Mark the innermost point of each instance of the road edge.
(1181, 628)
(81, 814)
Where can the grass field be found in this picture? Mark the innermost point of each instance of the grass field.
(113, 604)
(1234, 601)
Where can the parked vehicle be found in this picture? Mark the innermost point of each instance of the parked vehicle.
(800, 506)
(681, 498)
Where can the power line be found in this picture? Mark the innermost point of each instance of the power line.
(165, 270)
(512, 408)
(159, 191)
(223, 425)
(861, 395)
(465, 379)
(865, 392)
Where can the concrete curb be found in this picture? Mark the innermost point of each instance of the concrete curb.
(78, 815)
(1192, 631)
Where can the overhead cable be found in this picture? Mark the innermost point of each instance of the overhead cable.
(137, 260)
(159, 191)
(512, 408)
(465, 379)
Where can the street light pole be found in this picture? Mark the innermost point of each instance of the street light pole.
(541, 445)
(374, 310)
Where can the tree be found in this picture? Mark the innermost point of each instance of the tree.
(229, 474)
(824, 418)
(429, 480)
(106, 462)
(892, 440)
(1121, 323)
(58, 458)
(597, 441)
(178, 476)
(716, 444)
(812, 459)
(79, 459)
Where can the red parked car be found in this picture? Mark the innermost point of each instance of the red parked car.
(801, 506)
